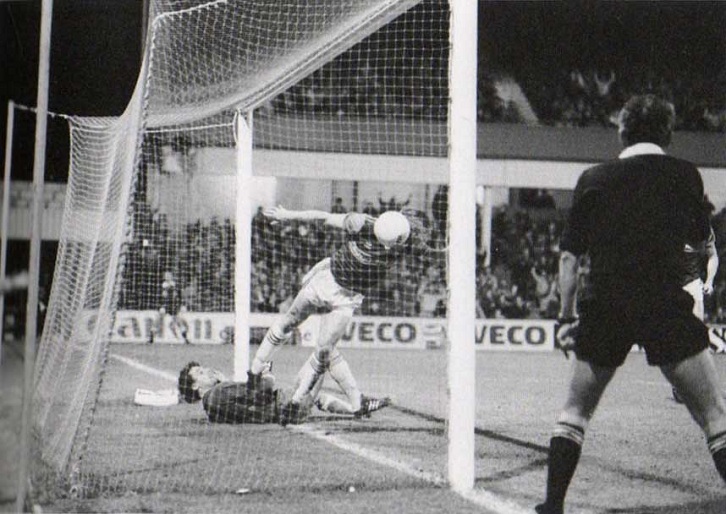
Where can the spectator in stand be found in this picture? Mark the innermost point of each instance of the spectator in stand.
(440, 209)
(258, 300)
(546, 294)
(430, 292)
(395, 306)
(258, 222)
(543, 199)
(486, 288)
(603, 84)
(521, 271)
(409, 302)
(392, 204)
(490, 107)
(370, 209)
(512, 305)
(338, 207)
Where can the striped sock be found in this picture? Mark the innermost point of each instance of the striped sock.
(564, 454)
(308, 377)
(274, 338)
(343, 376)
(717, 447)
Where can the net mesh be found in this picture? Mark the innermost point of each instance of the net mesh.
(350, 103)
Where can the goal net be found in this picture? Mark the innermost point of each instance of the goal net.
(347, 103)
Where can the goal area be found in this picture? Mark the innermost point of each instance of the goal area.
(166, 257)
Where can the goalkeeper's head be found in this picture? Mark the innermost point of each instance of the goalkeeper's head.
(195, 380)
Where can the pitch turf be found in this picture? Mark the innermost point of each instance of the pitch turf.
(642, 454)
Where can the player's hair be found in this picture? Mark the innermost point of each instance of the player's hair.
(187, 391)
(647, 119)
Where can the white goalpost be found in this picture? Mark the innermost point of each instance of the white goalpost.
(243, 247)
(462, 244)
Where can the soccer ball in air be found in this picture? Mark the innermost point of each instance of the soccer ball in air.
(391, 228)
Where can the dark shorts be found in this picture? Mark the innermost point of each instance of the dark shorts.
(664, 325)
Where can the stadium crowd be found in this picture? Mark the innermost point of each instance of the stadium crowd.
(366, 94)
(570, 97)
(518, 281)
(591, 97)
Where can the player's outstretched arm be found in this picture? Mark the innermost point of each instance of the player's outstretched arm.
(280, 213)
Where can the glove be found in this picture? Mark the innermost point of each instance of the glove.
(566, 330)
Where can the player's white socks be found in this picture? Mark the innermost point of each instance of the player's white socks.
(340, 371)
(328, 402)
(333, 404)
(272, 341)
(308, 377)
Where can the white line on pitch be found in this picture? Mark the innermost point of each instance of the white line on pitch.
(143, 367)
(479, 497)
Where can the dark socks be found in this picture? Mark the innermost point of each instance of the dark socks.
(564, 455)
(717, 447)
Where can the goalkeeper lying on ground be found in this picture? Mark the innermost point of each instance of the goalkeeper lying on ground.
(226, 401)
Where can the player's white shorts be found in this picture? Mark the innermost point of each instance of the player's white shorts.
(320, 288)
(695, 288)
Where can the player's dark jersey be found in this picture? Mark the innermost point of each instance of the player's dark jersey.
(634, 217)
(693, 260)
(362, 261)
(233, 402)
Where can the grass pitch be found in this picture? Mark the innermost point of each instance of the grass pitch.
(642, 454)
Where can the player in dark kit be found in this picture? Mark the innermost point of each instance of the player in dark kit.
(226, 401)
(633, 216)
(336, 285)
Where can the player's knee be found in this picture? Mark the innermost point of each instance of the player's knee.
(323, 354)
(711, 416)
(285, 326)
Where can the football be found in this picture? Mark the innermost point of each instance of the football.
(391, 228)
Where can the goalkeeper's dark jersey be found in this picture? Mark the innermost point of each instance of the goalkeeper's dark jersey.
(362, 261)
(232, 402)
